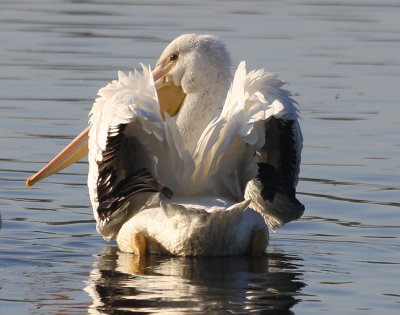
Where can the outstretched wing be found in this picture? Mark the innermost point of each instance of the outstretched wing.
(252, 150)
(127, 142)
(273, 190)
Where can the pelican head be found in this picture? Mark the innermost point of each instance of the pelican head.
(192, 77)
(193, 62)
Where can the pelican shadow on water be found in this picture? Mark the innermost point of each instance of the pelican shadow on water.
(122, 281)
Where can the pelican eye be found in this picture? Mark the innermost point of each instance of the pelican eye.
(174, 57)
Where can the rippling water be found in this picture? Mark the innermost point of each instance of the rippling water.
(342, 62)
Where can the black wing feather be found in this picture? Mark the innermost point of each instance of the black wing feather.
(278, 167)
(114, 192)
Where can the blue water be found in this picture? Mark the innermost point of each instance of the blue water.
(341, 60)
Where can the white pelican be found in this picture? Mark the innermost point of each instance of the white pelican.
(172, 173)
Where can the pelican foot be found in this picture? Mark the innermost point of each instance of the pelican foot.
(258, 244)
(138, 244)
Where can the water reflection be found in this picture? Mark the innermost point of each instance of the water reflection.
(123, 282)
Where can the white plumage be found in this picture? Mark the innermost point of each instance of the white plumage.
(205, 181)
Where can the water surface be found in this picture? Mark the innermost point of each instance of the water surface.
(341, 60)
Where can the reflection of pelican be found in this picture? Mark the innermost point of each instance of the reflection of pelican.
(184, 185)
(120, 281)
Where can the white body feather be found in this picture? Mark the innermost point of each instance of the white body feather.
(208, 214)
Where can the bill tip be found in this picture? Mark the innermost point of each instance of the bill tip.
(29, 182)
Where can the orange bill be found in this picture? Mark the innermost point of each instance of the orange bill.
(75, 151)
